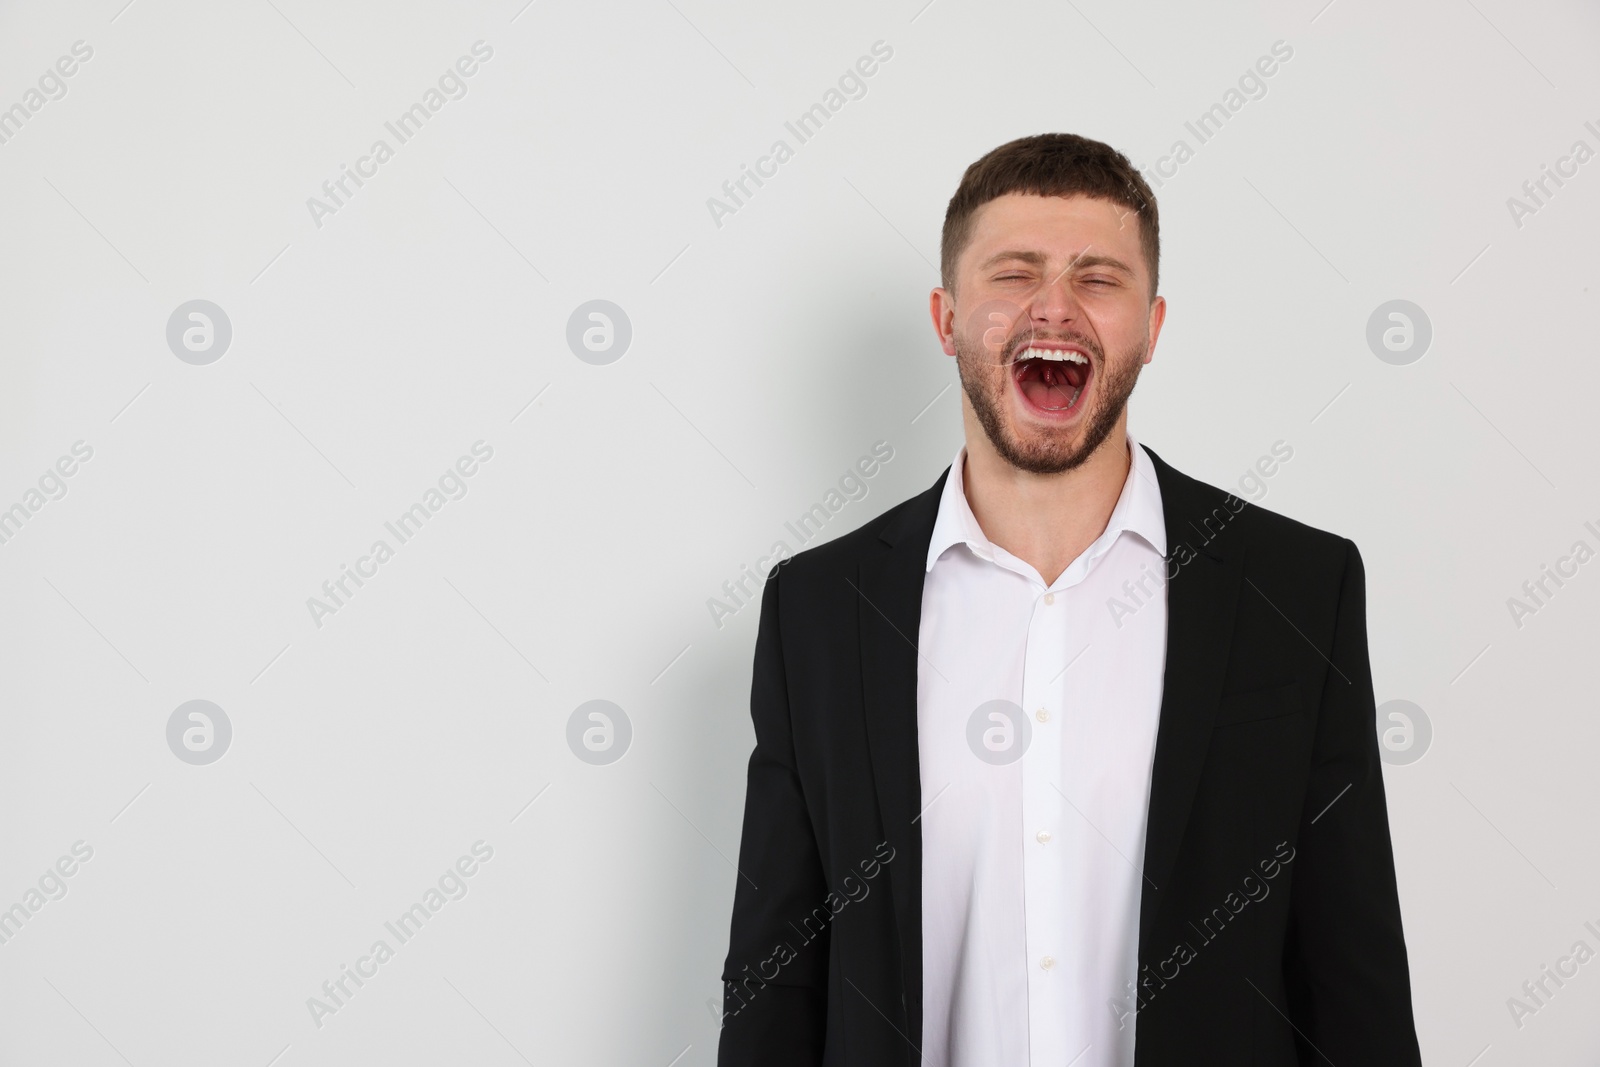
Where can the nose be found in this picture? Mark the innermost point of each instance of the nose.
(1054, 305)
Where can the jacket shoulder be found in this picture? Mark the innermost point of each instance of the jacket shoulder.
(1198, 512)
(911, 517)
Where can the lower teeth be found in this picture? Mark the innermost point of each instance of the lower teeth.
(1075, 394)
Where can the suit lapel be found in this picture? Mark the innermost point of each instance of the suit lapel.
(889, 617)
(1204, 567)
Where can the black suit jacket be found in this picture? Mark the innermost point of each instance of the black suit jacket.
(1269, 927)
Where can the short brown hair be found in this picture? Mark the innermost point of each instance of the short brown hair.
(1049, 164)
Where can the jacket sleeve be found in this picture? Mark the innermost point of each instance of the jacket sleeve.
(774, 981)
(1347, 980)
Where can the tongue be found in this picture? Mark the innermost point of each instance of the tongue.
(1051, 383)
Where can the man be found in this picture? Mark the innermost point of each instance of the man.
(1070, 759)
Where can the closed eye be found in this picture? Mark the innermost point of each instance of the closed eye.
(1086, 281)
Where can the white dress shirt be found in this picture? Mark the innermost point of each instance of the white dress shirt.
(1031, 868)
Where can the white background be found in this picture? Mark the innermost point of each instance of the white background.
(768, 354)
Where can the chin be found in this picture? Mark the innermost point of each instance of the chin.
(1036, 459)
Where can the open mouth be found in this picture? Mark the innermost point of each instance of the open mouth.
(1052, 380)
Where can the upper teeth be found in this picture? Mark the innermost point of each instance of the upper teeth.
(1059, 355)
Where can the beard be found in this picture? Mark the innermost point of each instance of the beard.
(1046, 452)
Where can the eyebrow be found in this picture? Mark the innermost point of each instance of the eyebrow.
(1038, 259)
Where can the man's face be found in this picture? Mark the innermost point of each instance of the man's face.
(1050, 322)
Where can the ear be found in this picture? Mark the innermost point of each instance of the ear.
(1158, 315)
(942, 309)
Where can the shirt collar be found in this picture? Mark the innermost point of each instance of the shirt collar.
(1138, 511)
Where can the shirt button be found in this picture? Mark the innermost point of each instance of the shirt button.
(1044, 836)
(1047, 962)
(1042, 715)
(1049, 598)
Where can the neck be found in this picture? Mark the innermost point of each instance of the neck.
(1046, 520)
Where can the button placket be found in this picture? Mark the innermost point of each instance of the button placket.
(1042, 860)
